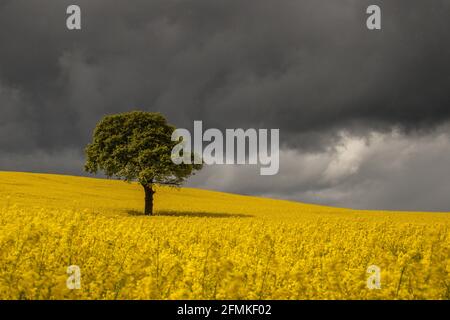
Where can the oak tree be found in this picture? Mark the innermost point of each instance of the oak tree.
(136, 146)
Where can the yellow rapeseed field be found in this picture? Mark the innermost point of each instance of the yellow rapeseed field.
(207, 245)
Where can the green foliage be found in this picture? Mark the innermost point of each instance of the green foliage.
(136, 146)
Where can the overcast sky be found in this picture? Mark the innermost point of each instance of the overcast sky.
(363, 115)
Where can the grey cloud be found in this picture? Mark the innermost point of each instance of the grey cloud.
(67, 161)
(382, 171)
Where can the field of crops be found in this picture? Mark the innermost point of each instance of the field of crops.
(207, 245)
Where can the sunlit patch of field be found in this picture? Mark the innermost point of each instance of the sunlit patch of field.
(208, 245)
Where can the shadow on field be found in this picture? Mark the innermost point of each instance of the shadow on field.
(192, 214)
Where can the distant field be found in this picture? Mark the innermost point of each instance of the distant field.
(208, 245)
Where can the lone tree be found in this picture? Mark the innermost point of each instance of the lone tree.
(137, 146)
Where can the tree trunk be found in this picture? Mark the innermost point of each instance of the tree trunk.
(148, 199)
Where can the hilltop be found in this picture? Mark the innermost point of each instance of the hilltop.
(110, 196)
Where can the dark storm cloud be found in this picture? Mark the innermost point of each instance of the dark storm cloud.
(308, 67)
